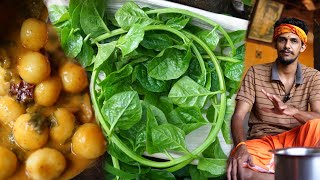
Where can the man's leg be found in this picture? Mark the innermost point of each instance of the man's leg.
(254, 175)
(307, 135)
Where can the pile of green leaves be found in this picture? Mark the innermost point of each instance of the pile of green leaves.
(155, 77)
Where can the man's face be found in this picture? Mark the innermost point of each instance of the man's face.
(289, 46)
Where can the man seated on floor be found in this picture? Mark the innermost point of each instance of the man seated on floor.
(278, 95)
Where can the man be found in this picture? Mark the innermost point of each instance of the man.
(278, 95)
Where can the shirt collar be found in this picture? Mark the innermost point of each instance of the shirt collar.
(275, 73)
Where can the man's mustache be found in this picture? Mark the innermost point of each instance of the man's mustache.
(286, 51)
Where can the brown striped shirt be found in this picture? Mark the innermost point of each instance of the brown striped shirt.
(266, 76)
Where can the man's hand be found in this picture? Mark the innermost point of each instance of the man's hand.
(278, 106)
(235, 168)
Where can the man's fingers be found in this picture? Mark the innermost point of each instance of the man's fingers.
(269, 110)
(240, 173)
(229, 168)
(276, 98)
(234, 169)
(283, 106)
(250, 161)
(264, 92)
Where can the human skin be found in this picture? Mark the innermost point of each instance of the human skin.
(289, 47)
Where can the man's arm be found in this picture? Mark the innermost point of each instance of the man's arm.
(304, 116)
(283, 109)
(240, 154)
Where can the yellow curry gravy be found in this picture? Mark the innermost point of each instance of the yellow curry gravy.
(12, 15)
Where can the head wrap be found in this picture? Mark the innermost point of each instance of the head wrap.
(289, 28)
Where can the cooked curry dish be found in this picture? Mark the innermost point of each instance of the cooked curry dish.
(47, 126)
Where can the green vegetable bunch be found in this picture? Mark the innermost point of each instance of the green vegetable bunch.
(155, 77)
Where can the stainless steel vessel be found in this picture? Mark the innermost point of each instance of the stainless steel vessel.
(297, 163)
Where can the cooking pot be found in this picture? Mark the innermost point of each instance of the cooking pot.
(297, 163)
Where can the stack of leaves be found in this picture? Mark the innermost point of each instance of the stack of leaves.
(155, 77)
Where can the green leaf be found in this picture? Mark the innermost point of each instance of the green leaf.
(162, 102)
(214, 151)
(236, 37)
(90, 20)
(197, 174)
(71, 42)
(226, 130)
(187, 118)
(187, 92)
(150, 83)
(168, 136)
(114, 151)
(119, 172)
(216, 167)
(58, 14)
(117, 76)
(156, 174)
(110, 90)
(240, 52)
(131, 40)
(211, 38)
(178, 22)
(247, 2)
(104, 52)
(234, 71)
(212, 114)
(130, 14)
(137, 135)
(169, 64)
(86, 55)
(122, 110)
(151, 124)
(73, 5)
(75, 16)
(157, 42)
(194, 72)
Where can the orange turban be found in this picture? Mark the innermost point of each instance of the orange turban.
(289, 28)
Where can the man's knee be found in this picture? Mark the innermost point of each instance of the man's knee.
(250, 174)
(314, 123)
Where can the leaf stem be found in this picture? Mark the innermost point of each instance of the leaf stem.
(224, 58)
(195, 15)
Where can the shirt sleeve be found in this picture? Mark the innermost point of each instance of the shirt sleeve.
(247, 89)
(315, 88)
